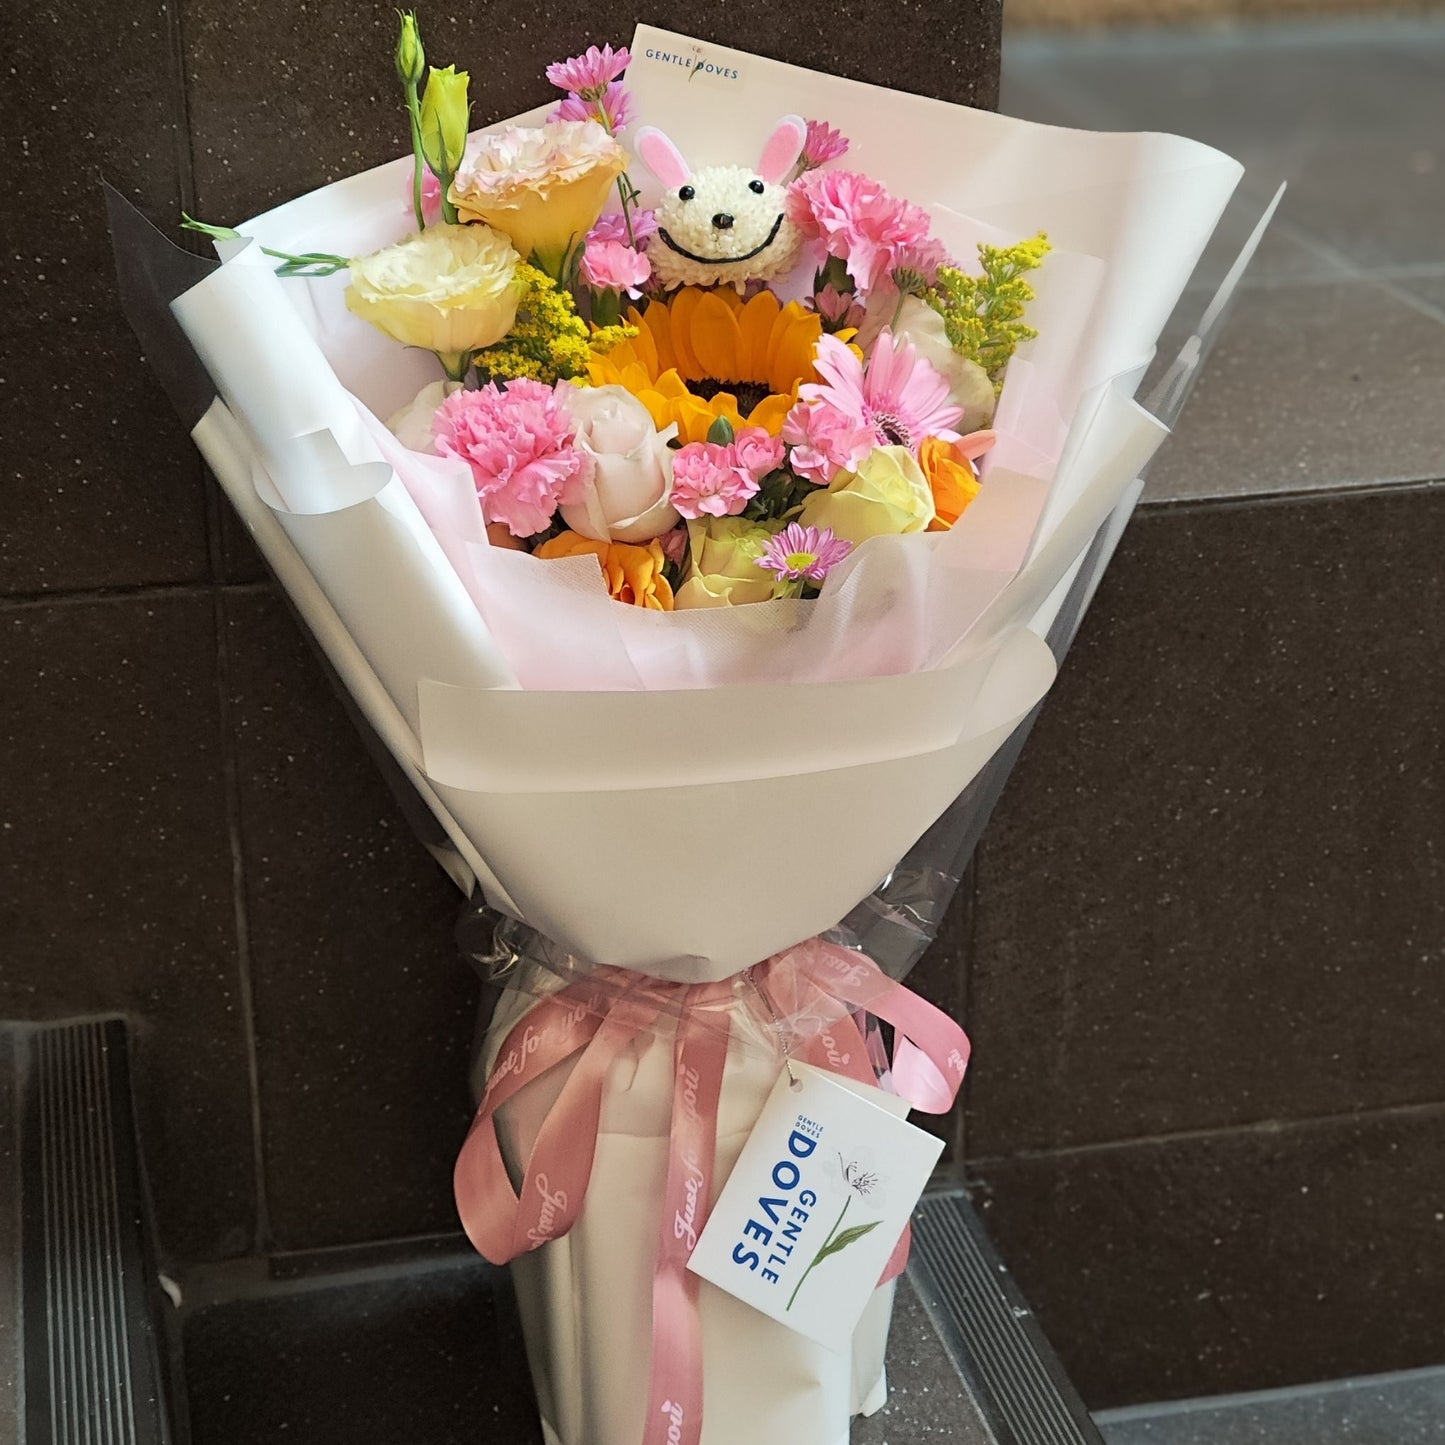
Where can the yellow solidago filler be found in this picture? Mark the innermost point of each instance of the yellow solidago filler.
(703, 354)
(633, 572)
(983, 314)
(549, 341)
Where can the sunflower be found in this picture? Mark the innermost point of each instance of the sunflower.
(705, 354)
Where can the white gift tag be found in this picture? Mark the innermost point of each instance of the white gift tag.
(820, 1194)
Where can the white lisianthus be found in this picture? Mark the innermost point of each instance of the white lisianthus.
(724, 571)
(448, 289)
(627, 495)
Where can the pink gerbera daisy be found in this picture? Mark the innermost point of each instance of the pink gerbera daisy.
(897, 399)
(519, 444)
(804, 553)
(589, 75)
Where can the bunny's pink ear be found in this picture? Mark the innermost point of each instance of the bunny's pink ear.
(784, 147)
(661, 157)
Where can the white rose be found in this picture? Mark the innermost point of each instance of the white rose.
(968, 382)
(411, 426)
(627, 498)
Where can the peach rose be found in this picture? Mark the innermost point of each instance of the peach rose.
(949, 469)
(633, 573)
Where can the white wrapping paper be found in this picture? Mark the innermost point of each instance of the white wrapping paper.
(586, 1299)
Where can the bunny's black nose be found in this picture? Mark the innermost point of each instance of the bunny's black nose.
(723, 221)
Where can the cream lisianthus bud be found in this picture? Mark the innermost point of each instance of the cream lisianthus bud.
(410, 57)
(445, 115)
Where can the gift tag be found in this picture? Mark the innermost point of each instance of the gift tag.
(818, 1199)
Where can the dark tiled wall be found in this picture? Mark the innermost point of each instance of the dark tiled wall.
(189, 830)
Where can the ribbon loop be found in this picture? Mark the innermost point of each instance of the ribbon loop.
(593, 1022)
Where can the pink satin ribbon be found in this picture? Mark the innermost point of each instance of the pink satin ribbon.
(599, 1017)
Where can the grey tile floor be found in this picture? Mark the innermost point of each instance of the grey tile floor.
(1332, 369)
(1403, 1409)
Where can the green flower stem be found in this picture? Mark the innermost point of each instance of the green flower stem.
(413, 110)
(308, 263)
(832, 1235)
(456, 364)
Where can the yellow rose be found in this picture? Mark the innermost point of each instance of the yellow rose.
(448, 289)
(949, 469)
(888, 494)
(724, 571)
(633, 574)
(543, 186)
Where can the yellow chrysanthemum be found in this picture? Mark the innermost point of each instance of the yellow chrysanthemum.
(705, 354)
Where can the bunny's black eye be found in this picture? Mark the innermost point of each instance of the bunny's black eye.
(686, 193)
(756, 187)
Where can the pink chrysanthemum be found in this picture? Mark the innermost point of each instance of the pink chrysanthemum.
(519, 445)
(588, 75)
(612, 110)
(707, 481)
(858, 221)
(799, 553)
(823, 144)
(898, 399)
(612, 227)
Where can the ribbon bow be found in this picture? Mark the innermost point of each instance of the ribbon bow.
(595, 1020)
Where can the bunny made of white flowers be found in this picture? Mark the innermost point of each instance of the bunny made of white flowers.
(723, 223)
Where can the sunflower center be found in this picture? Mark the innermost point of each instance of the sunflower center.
(892, 429)
(749, 393)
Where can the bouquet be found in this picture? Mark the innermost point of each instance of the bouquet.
(694, 495)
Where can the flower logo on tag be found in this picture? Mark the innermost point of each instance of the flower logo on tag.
(859, 1183)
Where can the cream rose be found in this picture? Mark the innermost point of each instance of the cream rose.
(544, 186)
(724, 571)
(968, 383)
(626, 499)
(411, 426)
(887, 494)
(448, 289)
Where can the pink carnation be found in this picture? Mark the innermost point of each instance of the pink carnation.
(825, 441)
(837, 308)
(612, 109)
(757, 453)
(857, 220)
(708, 481)
(590, 73)
(612, 227)
(519, 445)
(614, 266)
(823, 144)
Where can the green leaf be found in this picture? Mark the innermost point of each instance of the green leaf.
(842, 1240)
(720, 433)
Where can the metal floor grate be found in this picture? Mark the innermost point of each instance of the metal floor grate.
(90, 1353)
(989, 1331)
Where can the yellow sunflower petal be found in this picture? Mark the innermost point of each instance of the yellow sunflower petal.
(680, 317)
(772, 411)
(716, 341)
(794, 340)
(756, 325)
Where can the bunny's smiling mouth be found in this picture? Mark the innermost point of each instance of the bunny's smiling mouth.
(722, 260)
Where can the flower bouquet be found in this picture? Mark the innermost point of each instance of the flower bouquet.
(692, 491)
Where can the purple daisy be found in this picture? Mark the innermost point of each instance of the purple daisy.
(799, 552)
(588, 75)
